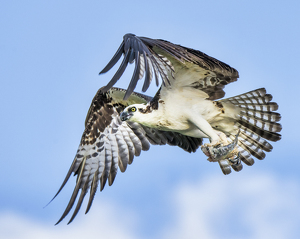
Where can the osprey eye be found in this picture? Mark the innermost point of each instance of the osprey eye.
(133, 109)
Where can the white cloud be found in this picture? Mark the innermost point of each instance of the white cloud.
(240, 206)
(106, 221)
(256, 206)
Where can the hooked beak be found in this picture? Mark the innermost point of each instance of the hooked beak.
(125, 116)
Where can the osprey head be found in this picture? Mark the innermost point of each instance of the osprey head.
(133, 112)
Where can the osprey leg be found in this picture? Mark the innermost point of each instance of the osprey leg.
(219, 149)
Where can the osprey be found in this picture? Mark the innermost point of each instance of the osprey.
(186, 108)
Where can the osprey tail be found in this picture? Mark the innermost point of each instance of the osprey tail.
(257, 123)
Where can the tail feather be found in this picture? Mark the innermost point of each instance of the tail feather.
(265, 134)
(271, 106)
(261, 115)
(252, 147)
(256, 106)
(247, 160)
(257, 123)
(249, 135)
(251, 94)
(245, 156)
(262, 124)
(261, 100)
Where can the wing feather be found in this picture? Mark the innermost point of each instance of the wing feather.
(119, 72)
(107, 158)
(136, 74)
(135, 140)
(127, 139)
(94, 187)
(148, 76)
(114, 60)
(114, 161)
(74, 194)
(82, 194)
(108, 143)
(140, 133)
(192, 68)
(123, 151)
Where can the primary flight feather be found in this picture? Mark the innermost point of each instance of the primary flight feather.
(122, 123)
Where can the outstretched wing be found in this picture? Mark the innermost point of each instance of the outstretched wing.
(108, 143)
(174, 64)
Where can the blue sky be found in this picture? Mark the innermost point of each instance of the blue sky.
(51, 54)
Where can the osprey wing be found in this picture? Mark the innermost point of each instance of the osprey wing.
(108, 143)
(174, 64)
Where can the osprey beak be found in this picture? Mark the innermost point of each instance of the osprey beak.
(124, 116)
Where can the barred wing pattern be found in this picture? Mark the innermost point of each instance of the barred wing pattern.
(108, 143)
(160, 58)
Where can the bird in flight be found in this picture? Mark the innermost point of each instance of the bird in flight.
(187, 107)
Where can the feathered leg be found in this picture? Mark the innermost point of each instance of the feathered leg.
(219, 149)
